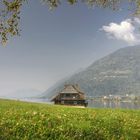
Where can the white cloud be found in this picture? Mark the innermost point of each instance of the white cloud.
(124, 31)
(137, 20)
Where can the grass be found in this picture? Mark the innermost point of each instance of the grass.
(34, 121)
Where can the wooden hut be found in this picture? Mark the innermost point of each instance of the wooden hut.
(70, 95)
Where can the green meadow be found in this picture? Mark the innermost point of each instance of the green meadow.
(37, 121)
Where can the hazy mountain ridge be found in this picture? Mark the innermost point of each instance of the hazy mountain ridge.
(116, 74)
(24, 93)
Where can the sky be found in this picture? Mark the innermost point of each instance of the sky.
(55, 44)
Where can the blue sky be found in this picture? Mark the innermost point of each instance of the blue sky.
(55, 44)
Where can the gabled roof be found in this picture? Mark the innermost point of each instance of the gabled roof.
(71, 89)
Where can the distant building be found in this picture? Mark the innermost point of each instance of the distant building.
(70, 95)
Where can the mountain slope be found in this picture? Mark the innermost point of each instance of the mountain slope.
(117, 73)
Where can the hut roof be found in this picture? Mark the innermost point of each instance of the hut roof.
(71, 89)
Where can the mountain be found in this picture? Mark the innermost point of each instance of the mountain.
(116, 74)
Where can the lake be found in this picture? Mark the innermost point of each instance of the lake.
(113, 104)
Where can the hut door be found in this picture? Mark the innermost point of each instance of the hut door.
(62, 102)
(75, 102)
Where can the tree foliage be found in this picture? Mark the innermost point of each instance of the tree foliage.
(10, 12)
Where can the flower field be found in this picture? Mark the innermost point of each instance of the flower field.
(36, 121)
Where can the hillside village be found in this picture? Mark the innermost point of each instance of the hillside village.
(121, 98)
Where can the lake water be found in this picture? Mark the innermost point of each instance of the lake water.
(98, 104)
(114, 104)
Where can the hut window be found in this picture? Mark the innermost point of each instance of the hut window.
(67, 95)
(77, 96)
(75, 102)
